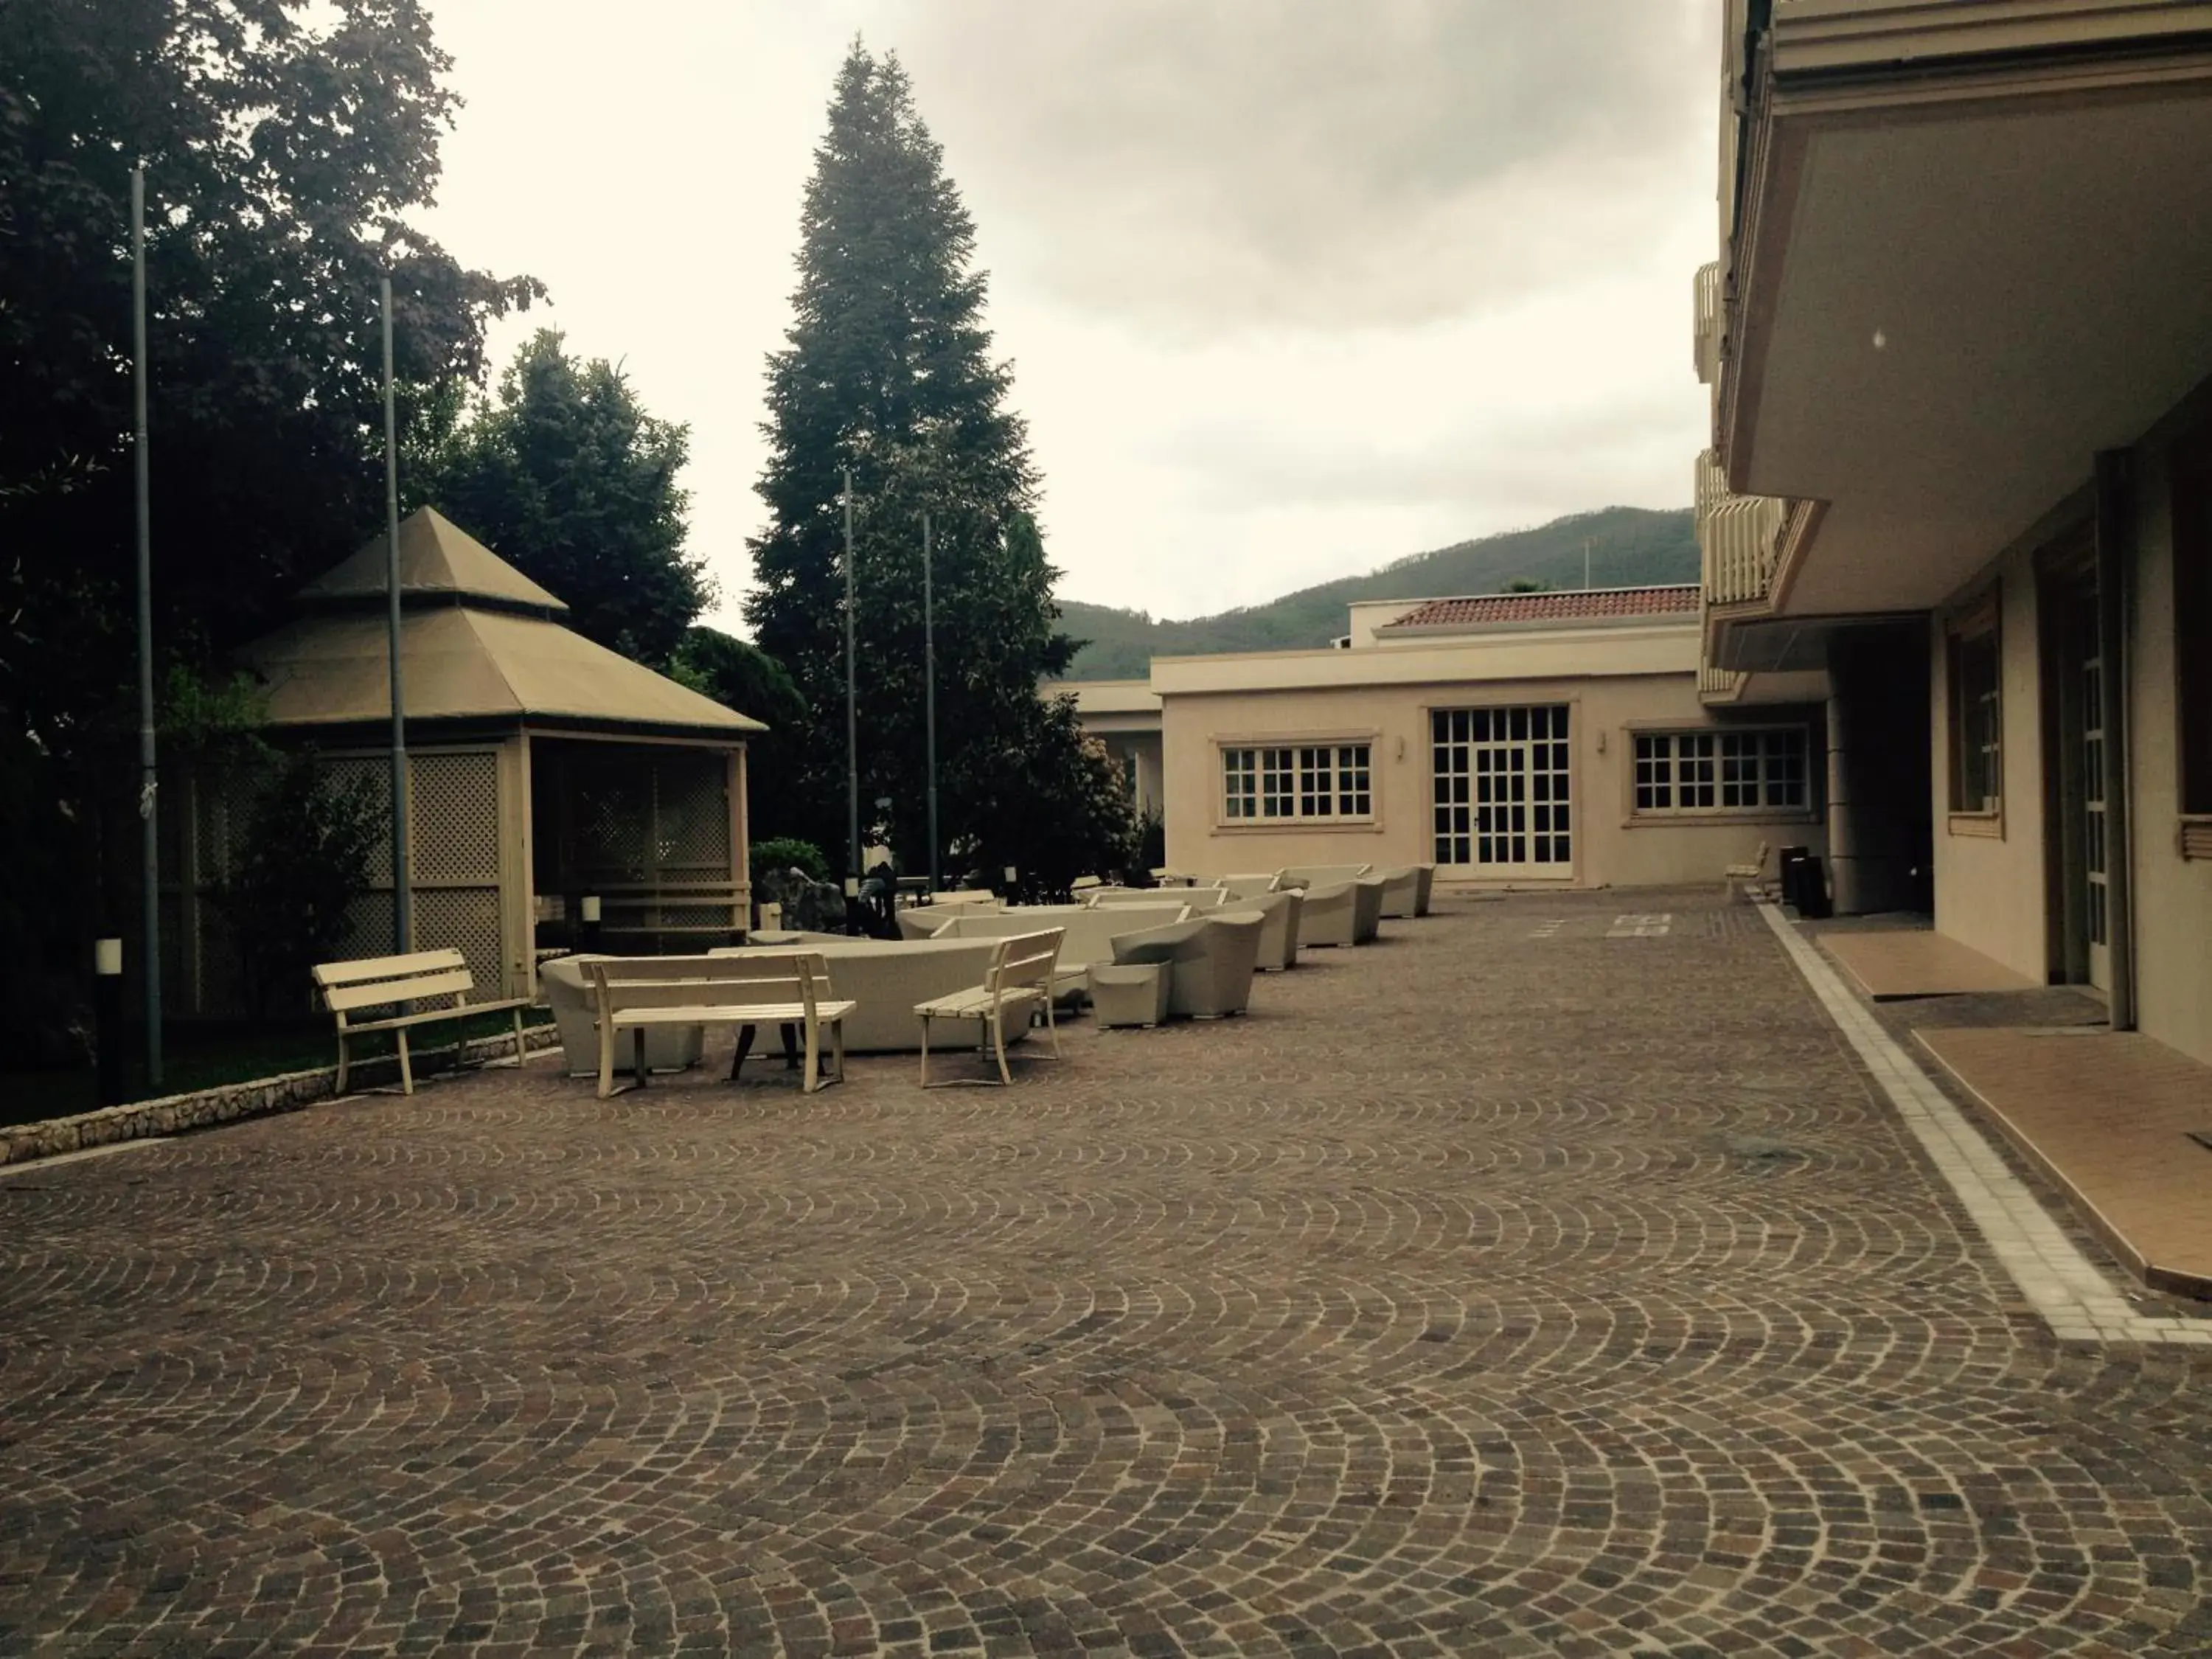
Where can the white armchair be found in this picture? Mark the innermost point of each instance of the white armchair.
(1328, 915)
(1211, 962)
(1245, 887)
(1280, 914)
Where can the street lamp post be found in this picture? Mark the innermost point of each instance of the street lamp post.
(852, 710)
(929, 692)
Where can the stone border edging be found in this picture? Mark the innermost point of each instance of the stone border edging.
(170, 1115)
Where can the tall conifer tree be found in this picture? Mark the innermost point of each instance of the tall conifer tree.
(888, 371)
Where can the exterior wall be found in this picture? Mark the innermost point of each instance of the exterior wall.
(1992, 893)
(1140, 755)
(1611, 847)
(2172, 895)
(1990, 886)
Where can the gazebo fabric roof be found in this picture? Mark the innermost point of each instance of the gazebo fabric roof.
(461, 661)
(436, 555)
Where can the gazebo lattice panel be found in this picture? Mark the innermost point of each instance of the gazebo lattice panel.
(648, 831)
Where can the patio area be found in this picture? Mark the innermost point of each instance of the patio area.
(1525, 1283)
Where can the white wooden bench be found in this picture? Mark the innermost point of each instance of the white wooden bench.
(1021, 975)
(347, 988)
(634, 994)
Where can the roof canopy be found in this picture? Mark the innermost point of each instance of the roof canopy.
(478, 642)
(437, 559)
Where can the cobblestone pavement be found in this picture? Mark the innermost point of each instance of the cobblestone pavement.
(1481, 1292)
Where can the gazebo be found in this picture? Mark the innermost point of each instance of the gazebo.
(542, 769)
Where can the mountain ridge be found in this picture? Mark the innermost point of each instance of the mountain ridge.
(1627, 547)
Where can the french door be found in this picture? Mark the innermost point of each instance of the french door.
(1501, 790)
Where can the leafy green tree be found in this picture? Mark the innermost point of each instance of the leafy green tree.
(285, 144)
(567, 478)
(741, 675)
(888, 371)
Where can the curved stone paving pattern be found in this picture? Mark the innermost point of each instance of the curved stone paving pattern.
(1477, 1294)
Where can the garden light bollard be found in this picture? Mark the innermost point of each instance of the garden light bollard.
(107, 1039)
(587, 909)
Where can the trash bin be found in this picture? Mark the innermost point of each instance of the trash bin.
(1804, 883)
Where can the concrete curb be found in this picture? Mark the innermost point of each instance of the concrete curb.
(174, 1113)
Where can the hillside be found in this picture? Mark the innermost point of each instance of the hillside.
(1630, 547)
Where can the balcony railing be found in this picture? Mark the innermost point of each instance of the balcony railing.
(1705, 340)
(1738, 537)
(1719, 684)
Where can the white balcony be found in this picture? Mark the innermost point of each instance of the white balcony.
(1739, 538)
(1705, 340)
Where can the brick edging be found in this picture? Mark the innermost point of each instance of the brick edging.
(173, 1114)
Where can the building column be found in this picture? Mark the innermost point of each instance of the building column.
(1844, 889)
(2115, 532)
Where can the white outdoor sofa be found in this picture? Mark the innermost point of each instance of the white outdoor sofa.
(1198, 898)
(1319, 875)
(1426, 874)
(885, 979)
(1281, 916)
(1210, 961)
(1401, 891)
(564, 986)
(922, 920)
(1087, 933)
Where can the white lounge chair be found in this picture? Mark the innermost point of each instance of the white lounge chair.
(1427, 875)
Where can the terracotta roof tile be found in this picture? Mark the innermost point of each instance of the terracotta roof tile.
(1572, 606)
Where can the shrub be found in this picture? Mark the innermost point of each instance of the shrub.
(782, 852)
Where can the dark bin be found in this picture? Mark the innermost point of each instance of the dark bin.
(1804, 883)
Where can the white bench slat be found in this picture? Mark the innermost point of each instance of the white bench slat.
(345, 998)
(696, 993)
(418, 962)
(423, 1017)
(760, 1013)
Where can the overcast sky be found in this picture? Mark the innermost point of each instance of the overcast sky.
(1290, 288)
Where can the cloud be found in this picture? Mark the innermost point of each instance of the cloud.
(1257, 163)
(1291, 289)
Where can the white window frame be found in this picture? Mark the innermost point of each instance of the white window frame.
(1737, 771)
(1316, 782)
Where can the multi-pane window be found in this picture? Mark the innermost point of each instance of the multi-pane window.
(1977, 720)
(1307, 780)
(1740, 771)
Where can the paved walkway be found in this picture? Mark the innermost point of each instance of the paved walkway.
(1526, 1283)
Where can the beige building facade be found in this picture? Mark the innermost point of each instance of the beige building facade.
(1512, 740)
(1960, 339)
